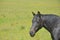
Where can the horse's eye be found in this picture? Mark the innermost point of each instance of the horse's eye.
(37, 22)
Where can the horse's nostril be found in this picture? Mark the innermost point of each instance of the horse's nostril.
(32, 34)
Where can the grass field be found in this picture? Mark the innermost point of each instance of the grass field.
(16, 16)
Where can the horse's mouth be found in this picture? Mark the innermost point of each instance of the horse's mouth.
(32, 34)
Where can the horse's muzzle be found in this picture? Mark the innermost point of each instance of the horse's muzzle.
(32, 34)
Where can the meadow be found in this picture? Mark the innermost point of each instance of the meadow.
(16, 18)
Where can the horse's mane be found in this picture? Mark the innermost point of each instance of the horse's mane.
(49, 15)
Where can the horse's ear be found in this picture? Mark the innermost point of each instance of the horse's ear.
(33, 13)
(38, 12)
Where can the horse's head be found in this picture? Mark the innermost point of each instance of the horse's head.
(37, 23)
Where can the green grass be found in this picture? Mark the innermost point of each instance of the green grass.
(16, 16)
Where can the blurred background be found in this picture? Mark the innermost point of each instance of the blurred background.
(16, 18)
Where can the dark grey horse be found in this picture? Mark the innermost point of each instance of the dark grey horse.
(48, 21)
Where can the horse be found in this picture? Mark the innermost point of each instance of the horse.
(50, 22)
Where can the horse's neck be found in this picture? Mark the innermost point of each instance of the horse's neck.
(49, 22)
